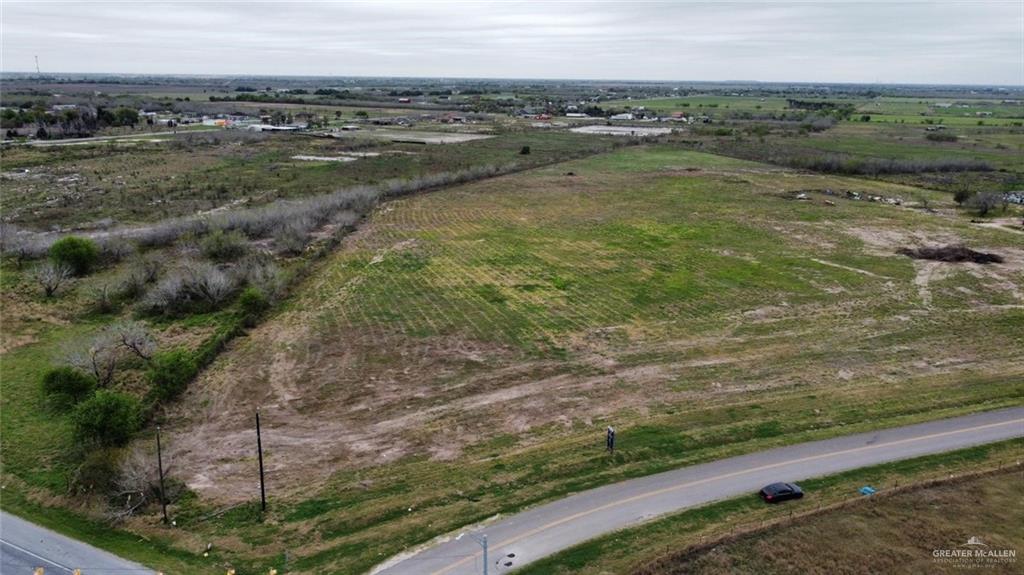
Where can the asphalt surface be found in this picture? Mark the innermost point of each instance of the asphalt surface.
(25, 546)
(535, 533)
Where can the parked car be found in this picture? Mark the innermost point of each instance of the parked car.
(780, 492)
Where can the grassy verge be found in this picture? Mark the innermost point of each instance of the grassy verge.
(150, 552)
(899, 532)
(625, 551)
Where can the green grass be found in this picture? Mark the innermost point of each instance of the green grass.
(697, 268)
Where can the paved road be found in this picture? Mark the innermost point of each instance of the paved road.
(25, 546)
(541, 531)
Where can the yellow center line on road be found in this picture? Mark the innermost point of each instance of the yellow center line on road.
(669, 489)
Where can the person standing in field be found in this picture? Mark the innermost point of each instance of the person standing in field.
(609, 439)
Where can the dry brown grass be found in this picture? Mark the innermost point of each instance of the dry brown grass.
(894, 534)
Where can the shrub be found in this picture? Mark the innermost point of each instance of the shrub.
(103, 296)
(50, 276)
(109, 418)
(114, 249)
(941, 137)
(194, 286)
(263, 275)
(224, 246)
(985, 202)
(253, 303)
(292, 237)
(142, 270)
(962, 195)
(66, 386)
(79, 254)
(170, 373)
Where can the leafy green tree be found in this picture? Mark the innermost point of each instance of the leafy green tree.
(109, 418)
(79, 254)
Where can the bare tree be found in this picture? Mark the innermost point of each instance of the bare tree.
(51, 276)
(138, 482)
(985, 202)
(101, 354)
(98, 356)
(135, 338)
(103, 296)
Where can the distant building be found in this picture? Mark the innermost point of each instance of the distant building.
(626, 116)
(270, 128)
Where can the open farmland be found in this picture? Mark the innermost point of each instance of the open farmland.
(460, 355)
(704, 104)
(117, 182)
(894, 110)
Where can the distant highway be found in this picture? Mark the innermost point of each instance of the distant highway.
(95, 139)
(25, 546)
(535, 533)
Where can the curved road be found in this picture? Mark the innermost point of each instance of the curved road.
(26, 546)
(544, 530)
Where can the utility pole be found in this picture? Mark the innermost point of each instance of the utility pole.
(160, 466)
(259, 448)
(482, 541)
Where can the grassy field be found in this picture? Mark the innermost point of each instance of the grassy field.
(488, 333)
(911, 143)
(460, 355)
(146, 181)
(915, 111)
(996, 147)
(832, 530)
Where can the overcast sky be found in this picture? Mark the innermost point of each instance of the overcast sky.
(975, 42)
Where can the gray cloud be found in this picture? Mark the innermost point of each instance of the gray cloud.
(977, 42)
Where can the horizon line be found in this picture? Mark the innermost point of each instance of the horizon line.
(43, 75)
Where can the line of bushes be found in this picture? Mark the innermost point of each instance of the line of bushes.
(842, 164)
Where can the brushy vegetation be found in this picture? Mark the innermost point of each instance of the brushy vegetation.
(866, 166)
(170, 373)
(192, 287)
